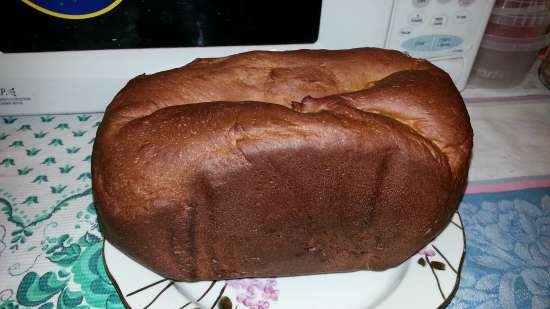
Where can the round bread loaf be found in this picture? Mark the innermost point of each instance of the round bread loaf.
(281, 163)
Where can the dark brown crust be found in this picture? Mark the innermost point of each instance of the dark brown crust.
(198, 178)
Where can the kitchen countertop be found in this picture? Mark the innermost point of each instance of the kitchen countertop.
(51, 248)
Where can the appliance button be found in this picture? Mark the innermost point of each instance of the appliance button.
(421, 3)
(439, 21)
(419, 44)
(462, 16)
(465, 2)
(443, 42)
(406, 31)
(416, 19)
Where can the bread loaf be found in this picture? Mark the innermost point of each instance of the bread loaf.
(281, 163)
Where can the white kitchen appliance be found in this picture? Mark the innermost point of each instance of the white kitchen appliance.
(447, 32)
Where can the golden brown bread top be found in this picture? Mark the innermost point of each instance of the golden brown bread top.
(411, 91)
(264, 76)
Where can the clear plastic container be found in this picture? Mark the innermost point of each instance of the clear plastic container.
(504, 62)
(519, 18)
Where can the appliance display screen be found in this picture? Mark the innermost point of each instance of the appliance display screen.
(63, 25)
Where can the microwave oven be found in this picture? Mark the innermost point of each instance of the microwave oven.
(69, 61)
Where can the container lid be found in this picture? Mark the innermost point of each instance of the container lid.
(531, 20)
(508, 44)
(522, 4)
(521, 13)
(523, 17)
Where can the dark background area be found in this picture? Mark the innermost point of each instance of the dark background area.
(162, 23)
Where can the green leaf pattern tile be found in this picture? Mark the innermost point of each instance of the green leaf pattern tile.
(40, 134)
(16, 144)
(50, 245)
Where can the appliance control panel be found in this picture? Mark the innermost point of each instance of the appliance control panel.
(446, 32)
(435, 28)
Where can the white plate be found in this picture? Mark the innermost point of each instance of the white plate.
(428, 280)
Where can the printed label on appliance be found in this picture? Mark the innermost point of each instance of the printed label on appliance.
(8, 96)
(74, 9)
